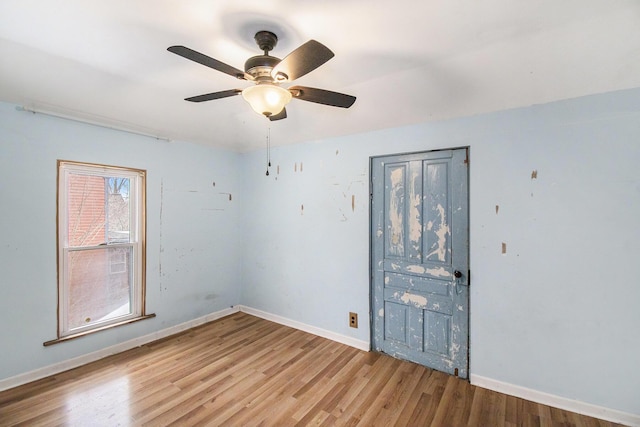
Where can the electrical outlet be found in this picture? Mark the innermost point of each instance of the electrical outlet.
(353, 319)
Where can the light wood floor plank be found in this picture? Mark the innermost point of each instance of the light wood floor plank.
(246, 371)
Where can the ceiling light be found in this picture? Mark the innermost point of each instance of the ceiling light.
(266, 98)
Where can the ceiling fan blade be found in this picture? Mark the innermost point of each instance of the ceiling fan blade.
(214, 95)
(207, 61)
(322, 96)
(281, 115)
(301, 61)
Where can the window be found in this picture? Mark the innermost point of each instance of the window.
(101, 247)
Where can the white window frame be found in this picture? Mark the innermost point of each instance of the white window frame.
(137, 229)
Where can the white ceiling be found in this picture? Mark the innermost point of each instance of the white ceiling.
(407, 61)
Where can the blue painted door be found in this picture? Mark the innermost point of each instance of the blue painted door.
(420, 258)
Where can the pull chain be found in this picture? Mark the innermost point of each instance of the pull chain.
(268, 150)
(269, 146)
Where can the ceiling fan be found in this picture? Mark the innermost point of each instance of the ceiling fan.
(267, 97)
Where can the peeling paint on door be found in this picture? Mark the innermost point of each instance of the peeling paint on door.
(416, 300)
(415, 217)
(442, 232)
(396, 211)
(419, 269)
(438, 272)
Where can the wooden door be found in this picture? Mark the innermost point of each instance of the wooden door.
(420, 258)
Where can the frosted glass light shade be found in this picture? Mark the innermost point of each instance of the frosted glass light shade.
(266, 99)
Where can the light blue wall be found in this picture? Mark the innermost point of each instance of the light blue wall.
(557, 313)
(192, 246)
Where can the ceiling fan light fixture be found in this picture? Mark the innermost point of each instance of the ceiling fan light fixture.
(266, 99)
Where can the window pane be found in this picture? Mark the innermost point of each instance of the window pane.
(86, 210)
(118, 210)
(100, 285)
(98, 210)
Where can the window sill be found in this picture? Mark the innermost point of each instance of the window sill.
(92, 331)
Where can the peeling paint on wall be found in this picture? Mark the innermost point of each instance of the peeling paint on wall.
(160, 234)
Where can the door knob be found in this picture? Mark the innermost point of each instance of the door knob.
(457, 274)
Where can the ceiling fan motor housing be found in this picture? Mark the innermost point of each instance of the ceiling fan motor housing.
(260, 66)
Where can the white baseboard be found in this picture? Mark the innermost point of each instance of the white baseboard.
(343, 339)
(556, 401)
(65, 365)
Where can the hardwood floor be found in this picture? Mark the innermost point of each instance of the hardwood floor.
(242, 370)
